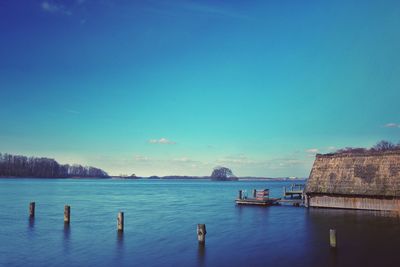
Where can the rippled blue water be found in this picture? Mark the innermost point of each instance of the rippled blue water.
(160, 227)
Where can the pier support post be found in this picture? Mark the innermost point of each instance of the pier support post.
(332, 238)
(201, 233)
(32, 209)
(67, 214)
(120, 222)
(254, 193)
(240, 196)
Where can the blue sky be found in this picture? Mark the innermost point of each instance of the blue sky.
(179, 87)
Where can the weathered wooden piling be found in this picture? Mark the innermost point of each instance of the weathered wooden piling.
(240, 196)
(332, 238)
(32, 209)
(120, 221)
(67, 214)
(201, 233)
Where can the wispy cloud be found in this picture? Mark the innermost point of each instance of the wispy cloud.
(312, 150)
(211, 10)
(61, 7)
(170, 8)
(235, 159)
(162, 141)
(141, 158)
(184, 159)
(243, 161)
(53, 7)
(392, 125)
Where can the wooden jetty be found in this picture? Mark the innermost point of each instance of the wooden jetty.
(294, 195)
(260, 198)
(295, 190)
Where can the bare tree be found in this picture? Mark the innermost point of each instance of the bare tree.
(380, 146)
(384, 146)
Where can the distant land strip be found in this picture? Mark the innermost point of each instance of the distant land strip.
(13, 166)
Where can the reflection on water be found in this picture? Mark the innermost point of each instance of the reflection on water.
(67, 231)
(201, 254)
(66, 239)
(119, 249)
(333, 256)
(120, 239)
(31, 224)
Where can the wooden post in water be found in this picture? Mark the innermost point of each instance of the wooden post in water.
(240, 194)
(201, 233)
(67, 214)
(332, 238)
(254, 193)
(32, 209)
(120, 222)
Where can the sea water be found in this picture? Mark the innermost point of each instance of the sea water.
(160, 226)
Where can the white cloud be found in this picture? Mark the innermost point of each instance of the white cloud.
(236, 159)
(51, 7)
(141, 158)
(46, 6)
(312, 150)
(392, 125)
(183, 159)
(162, 141)
(243, 161)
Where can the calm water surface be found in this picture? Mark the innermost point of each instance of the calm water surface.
(160, 227)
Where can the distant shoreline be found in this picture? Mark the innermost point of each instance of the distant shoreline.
(164, 178)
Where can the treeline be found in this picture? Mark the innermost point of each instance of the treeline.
(21, 166)
(379, 147)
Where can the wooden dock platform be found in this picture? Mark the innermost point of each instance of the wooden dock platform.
(294, 201)
(260, 198)
(258, 202)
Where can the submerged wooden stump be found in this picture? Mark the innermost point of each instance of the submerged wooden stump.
(201, 233)
(120, 221)
(67, 214)
(32, 209)
(332, 238)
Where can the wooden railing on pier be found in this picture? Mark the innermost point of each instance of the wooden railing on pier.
(294, 190)
(293, 194)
